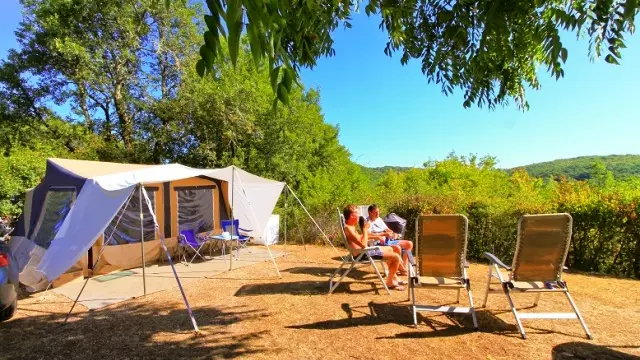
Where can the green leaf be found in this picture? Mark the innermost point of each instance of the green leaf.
(211, 40)
(283, 94)
(287, 79)
(274, 77)
(445, 16)
(211, 21)
(201, 68)
(563, 55)
(207, 55)
(255, 44)
(234, 22)
(611, 60)
(167, 4)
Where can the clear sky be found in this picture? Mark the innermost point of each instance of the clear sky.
(389, 115)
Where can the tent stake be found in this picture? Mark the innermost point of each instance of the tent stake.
(144, 279)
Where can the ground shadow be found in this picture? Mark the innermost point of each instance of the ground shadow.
(371, 315)
(302, 288)
(458, 324)
(585, 350)
(400, 313)
(324, 272)
(131, 331)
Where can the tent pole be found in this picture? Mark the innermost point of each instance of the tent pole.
(144, 279)
(95, 263)
(254, 217)
(166, 251)
(82, 289)
(285, 215)
(299, 231)
(233, 175)
(312, 219)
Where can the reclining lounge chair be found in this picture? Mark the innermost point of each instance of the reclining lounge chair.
(441, 249)
(355, 257)
(541, 250)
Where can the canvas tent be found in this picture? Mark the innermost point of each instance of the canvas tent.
(82, 205)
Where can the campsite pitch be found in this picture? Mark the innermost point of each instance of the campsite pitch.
(249, 313)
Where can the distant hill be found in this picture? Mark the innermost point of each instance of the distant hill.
(579, 168)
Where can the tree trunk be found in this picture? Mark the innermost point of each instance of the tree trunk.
(82, 99)
(125, 121)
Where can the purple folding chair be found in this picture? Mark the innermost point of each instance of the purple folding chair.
(241, 239)
(188, 240)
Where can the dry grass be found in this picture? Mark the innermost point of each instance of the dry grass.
(249, 313)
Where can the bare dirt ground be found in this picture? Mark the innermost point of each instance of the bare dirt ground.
(249, 313)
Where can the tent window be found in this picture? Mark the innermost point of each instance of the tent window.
(127, 230)
(57, 204)
(195, 208)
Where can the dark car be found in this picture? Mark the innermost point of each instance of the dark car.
(8, 277)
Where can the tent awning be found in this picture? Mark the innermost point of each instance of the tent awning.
(101, 197)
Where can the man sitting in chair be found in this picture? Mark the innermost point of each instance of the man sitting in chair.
(380, 231)
(359, 241)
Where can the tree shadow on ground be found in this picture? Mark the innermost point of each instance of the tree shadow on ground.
(584, 351)
(131, 331)
(303, 288)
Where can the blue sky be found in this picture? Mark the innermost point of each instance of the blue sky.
(389, 115)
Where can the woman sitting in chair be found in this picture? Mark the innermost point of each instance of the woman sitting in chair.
(359, 241)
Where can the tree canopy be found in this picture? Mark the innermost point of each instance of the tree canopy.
(126, 72)
(491, 50)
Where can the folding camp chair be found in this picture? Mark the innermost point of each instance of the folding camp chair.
(541, 250)
(357, 260)
(441, 249)
(188, 240)
(237, 237)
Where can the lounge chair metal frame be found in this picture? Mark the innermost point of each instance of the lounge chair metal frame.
(358, 260)
(428, 275)
(522, 275)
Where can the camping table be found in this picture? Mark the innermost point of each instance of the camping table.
(223, 240)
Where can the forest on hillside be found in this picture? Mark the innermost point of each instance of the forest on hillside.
(581, 168)
(116, 80)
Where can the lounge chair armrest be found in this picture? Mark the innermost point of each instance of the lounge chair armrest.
(246, 230)
(494, 260)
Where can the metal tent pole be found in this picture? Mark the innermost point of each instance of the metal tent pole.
(95, 263)
(233, 175)
(144, 278)
(166, 251)
(273, 260)
(285, 215)
(314, 221)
